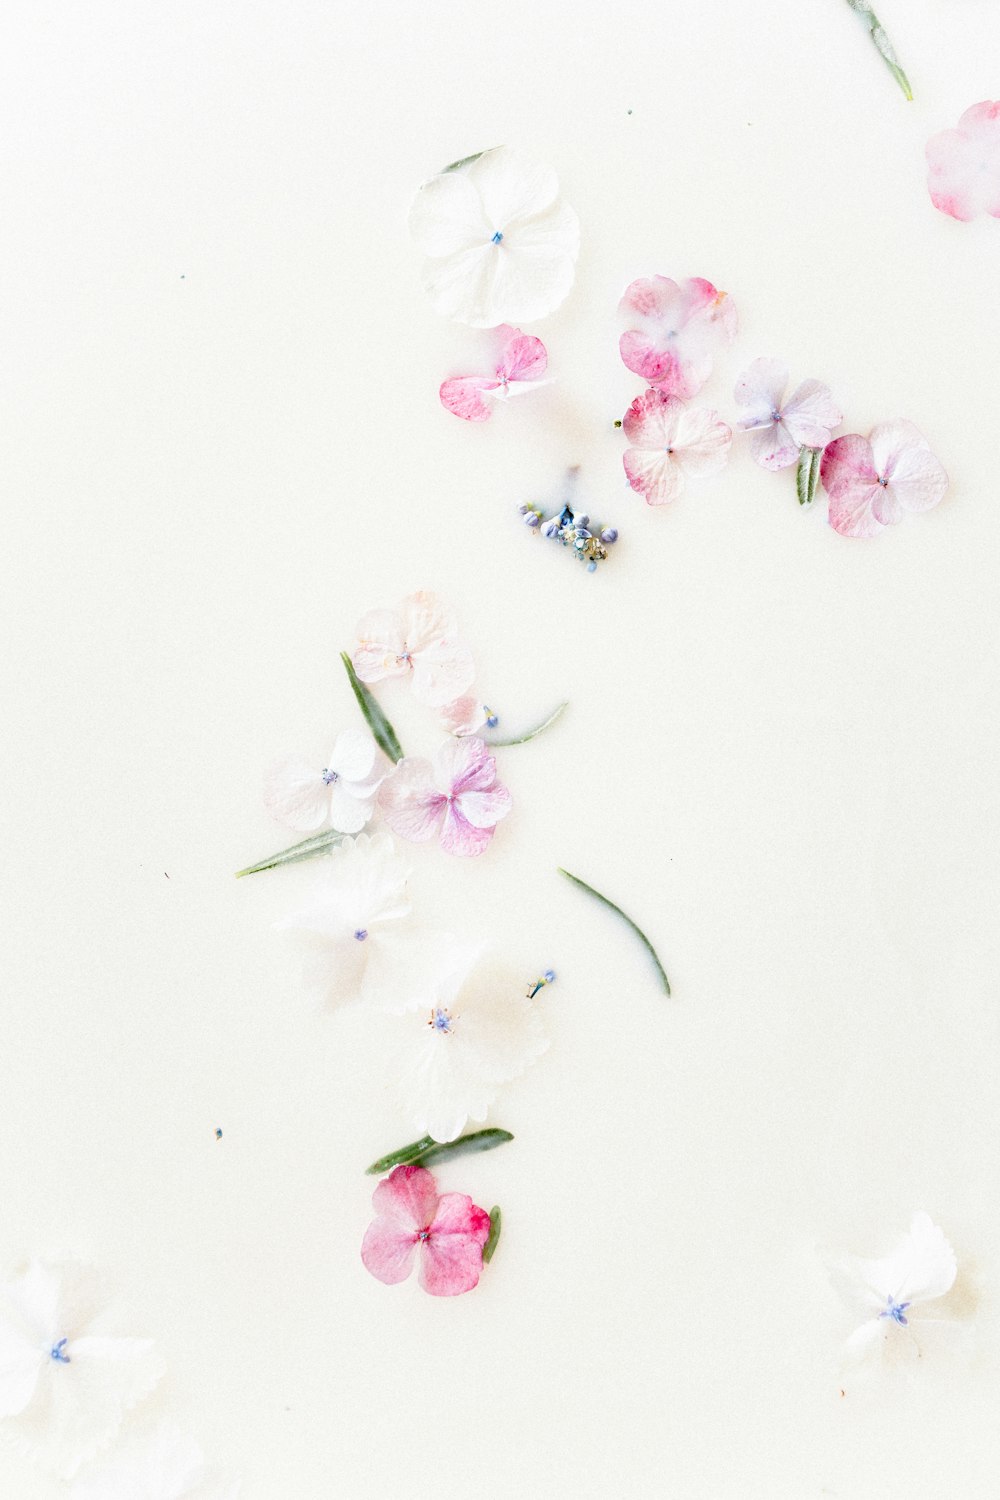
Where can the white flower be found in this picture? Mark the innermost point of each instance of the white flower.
(352, 922)
(472, 1030)
(342, 793)
(501, 243)
(164, 1465)
(888, 1294)
(64, 1390)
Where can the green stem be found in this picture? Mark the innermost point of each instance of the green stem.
(496, 1222)
(385, 735)
(644, 940)
(319, 843)
(463, 161)
(882, 43)
(530, 734)
(419, 1153)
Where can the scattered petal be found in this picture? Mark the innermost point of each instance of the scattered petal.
(677, 331)
(963, 165)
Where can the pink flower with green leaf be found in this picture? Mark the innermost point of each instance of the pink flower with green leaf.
(444, 1233)
(677, 329)
(872, 482)
(669, 442)
(963, 165)
(521, 362)
(456, 797)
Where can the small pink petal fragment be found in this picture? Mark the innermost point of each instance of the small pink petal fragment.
(963, 165)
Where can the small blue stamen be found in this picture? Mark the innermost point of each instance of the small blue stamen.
(896, 1311)
(361, 934)
(550, 976)
(56, 1352)
(330, 776)
(498, 236)
(440, 1020)
(491, 718)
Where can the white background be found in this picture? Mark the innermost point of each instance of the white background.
(222, 443)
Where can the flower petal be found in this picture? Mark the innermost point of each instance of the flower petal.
(811, 414)
(387, 1251)
(409, 801)
(296, 795)
(463, 396)
(447, 215)
(462, 287)
(773, 446)
(442, 672)
(654, 475)
(353, 754)
(380, 646)
(701, 442)
(107, 1377)
(426, 621)
(485, 809)
(460, 837)
(651, 420)
(963, 165)
(465, 716)
(901, 455)
(512, 186)
(532, 274)
(349, 812)
(465, 765)
(452, 1256)
(761, 388)
(522, 356)
(408, 1198)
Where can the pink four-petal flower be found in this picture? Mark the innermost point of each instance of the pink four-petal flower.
(873, 481)
(778, 428)
(963, 165)
(669, 441)
(457, 795)
(419, 637)
(447, 1233)
(521, 363)
(678, 328)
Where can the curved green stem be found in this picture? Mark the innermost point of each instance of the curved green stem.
(419, 1153)
(319, 843)
(644, 940)
(530, 734)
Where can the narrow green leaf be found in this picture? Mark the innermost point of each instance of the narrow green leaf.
(319, 843)
(644, 940)
(530, 734)
(463, 161)
(385, 735)
(496, 1221)
(882, 43)
(807, 474)
(420, 1153)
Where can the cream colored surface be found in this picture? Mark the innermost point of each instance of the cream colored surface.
(222, 443)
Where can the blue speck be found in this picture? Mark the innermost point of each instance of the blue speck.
(330, 776)
(56, 1352)
(496, 238)
(361, 934)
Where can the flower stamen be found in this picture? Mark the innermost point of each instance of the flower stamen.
(56, 1352)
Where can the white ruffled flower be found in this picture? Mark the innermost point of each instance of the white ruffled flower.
(471, 1030)
(342, 793)
(63, 1389)
(352, 925)
(166, 1465)
(888, 1295)
(501, 244)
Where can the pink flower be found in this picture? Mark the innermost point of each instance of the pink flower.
(417, 638)
(458, 794)
(872, 481)
(777, 431)
(521, 363)
(679, 330)
(668, 441)
(448, 1233)
(963, 165)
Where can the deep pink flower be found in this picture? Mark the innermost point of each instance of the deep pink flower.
(778, 428)
(873, 481)
(418, 637)
(457, 795)
(669, 440)
(963, 165)
(447, 1232)
(521, 362)
(678, 330)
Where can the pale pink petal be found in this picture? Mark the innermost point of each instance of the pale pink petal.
(442, 672)
(387, 1251)
(463, 396)
(452, 1255)
(902, 457)
(848, 463)
(296, 794)
(485, 809)
(653, 297)
(761, 388)
(680, 329)
(653, 475)
(409, 801)
(465, 716)
(885, 505)
(963, 165)
(701, 442)
(651, 420)
(408, 1197)
(380, 646)
(353, 754)
(425, 620)
(465, 765)
(811, 414)
(642, 352)
(459, 837)
(852, 514)
(522, 356)
(773, 446)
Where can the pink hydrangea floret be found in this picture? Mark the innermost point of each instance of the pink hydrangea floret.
(445, 1233)
(963, 165)
(418, 638)
(872, 482)
(677, 329)
(456, 797)
(521, 362)
(779, 429)
(670, 441)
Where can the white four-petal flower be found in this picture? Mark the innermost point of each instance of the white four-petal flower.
(341, 793)
(888, 1294)
(501, 244)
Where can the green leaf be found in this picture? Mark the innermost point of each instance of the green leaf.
(807, 474)
(419, 1153)
(882, 43)
(319, 843)
(385, 735)
(644, 940)
(496, 1222)
(463, 161)
(530, 734)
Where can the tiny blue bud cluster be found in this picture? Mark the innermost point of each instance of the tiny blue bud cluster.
(573, 528)
(549, 977)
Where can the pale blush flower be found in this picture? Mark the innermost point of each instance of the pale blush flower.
(64, 1389)
(873, 481)
(351, 927)
(469, 1030)
(669, 441)
(455, 797)
(963, 165)
(165, 1464)
(521, 362)
(419, 637)
(501, 244)
(779, 428)
(888, 1295)
(465, 716)
(446, 1234)
(678, 329)
(341, 794)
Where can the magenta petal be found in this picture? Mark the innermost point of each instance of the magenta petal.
(452, 1258)
(523, 357)
(409, 801)
(459, 837)
(485, 809)
(463, 397)
(846, 462)
(465, 765)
